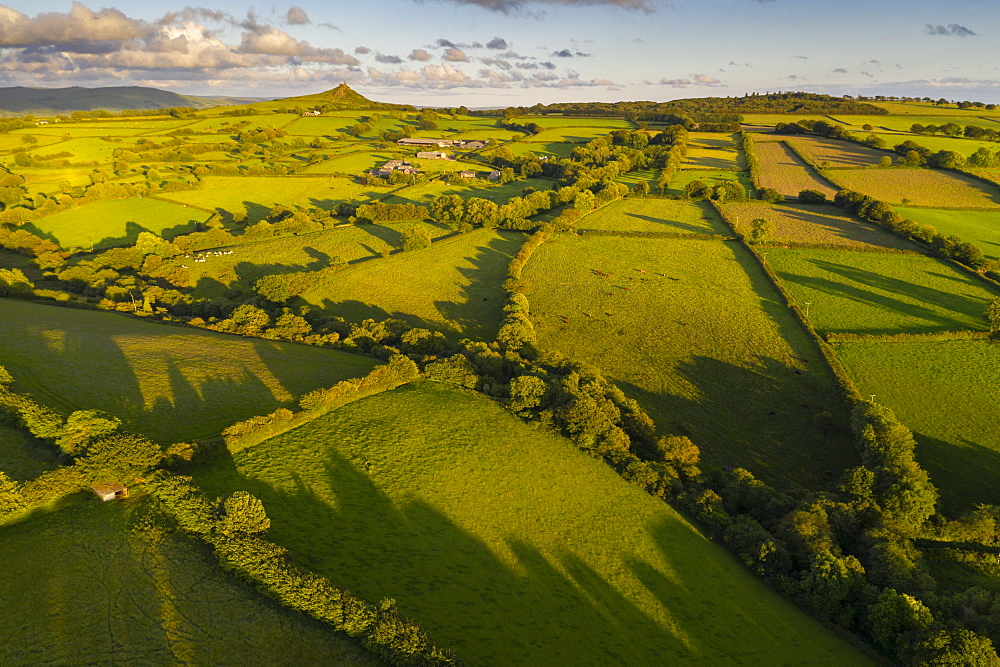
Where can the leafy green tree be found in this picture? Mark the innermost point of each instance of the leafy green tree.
(993, 316)
(812, 197)
(243, 514)
(274, 287)
(697, 190)
(681, 453)
(249, 319)
(770, 195)
(895, 619)
(416, 237)
(951, 646)
(527, 392)
(885, 162)
(121, 456)
(10, 495)
(6, 379)
(84, 426)
(760, 231)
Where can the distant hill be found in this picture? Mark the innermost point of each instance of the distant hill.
(19, 100)
(341, 97)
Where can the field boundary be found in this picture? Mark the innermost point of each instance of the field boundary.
(847, 386)
(933, 337)
(656, 235)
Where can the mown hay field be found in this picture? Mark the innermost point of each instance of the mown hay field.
(836, 153)
(91, 590)
(785, 171)
(257, 194)
(303, 252)
(922, 187)
(705, 156)
(693, 330)
(881, 293)
(118, 221)
(937, 143)
(454, 286)
(655, 215)
(552, 149)
(979, 227)
(169, 383)
(507, 543)
(947, 392)
(820, 225)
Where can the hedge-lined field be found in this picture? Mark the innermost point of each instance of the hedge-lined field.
(821, 225)
(694, 331)
(506, 542)
(785, 171)
(947, 392)
(880, 293)
(169, 383)
(655, 215)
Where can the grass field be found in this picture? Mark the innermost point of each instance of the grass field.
(877, 293)
(979, 227)
(361, 161)
(710, 150)
(711, 177)
(552, 149)
(785, 171)
(655, 215)
(922, 187)
(576, 121)
(118, 221)
(169, 383)
(507, 543)
(775, 118)
(83, 149)
(453, 286)
(21, 456)
(822, 225)
(257, 194)
(947, 393)
(89, 590)
(253, 122)
(304, 252)
(837, 153)
(481, 188)
(573, 135)
(48, 180)
(698, 329)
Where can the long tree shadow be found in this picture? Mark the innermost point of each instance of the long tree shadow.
(677, 224)
(963, 471)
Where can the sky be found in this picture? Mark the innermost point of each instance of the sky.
(510, 52)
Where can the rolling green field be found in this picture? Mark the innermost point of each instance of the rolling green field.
(169, 383)
(876, 293)
(361, 161)
(552, 149)
(979, 227)
(454, 286)
(482, 188)
(655, 215)
(556, 120)
(118, 221)
(709, 150)
(947, 393)
(698, 329)
(257, 194)
(821, 225)
(941, 143)
(507, 543)
(573, 135)
(921, 187)
(304, 252)
(91, 590)
(21, 456)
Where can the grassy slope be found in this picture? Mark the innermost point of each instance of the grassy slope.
(979, 227)
(118, 221)
(947, 393)
(453, 286)
(507, 543)
(89, 590)
(655, 215)
(714, 354)
(21, 456)
(170, 383)
(875, 293)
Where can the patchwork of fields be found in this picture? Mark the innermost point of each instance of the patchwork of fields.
(501, 540)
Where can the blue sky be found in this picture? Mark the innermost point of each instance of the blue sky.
(499, 52)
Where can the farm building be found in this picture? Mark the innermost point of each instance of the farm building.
(432, 155)
(468, 173)
(395, 165)
(108, 492)
(472, 144)
(416, 141)
(494, 175)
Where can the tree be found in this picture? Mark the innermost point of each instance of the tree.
(697, 190)
(885, 162)
(10, 495)
(84, 426)
(760, 231)
(249, 319)
(812, 197)
(951, 646)
(896, 617)
(770, 195)
(416, 237)
(993, 316)
(681, 453)
(527, 392)
(243, 514)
